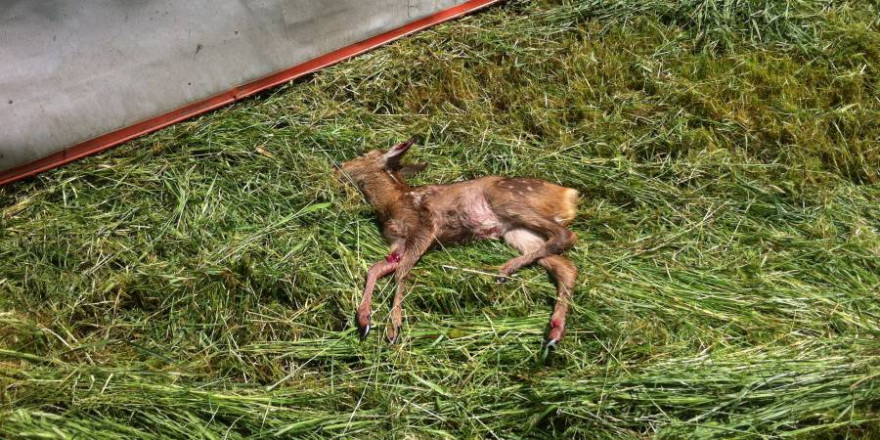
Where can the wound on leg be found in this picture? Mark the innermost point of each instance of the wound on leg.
(393, 257)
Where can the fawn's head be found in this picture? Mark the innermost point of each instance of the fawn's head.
(381, 163)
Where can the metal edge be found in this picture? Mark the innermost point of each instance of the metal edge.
(125, 134)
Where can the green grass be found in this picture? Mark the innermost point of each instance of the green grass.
(201, 282)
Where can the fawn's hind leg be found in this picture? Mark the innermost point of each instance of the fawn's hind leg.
(560, 268)
(565, 273)
(539, 207)
(558, 240)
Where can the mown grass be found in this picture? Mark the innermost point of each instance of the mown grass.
(201, 282)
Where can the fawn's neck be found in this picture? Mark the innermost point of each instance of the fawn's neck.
(383, 191)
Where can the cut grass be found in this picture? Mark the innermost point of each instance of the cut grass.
(201, 282)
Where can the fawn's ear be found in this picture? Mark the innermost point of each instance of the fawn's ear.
(393, 156)
(413, 168)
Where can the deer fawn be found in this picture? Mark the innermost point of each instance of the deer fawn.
(530, 215)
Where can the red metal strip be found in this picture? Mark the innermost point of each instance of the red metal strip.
(122, 135)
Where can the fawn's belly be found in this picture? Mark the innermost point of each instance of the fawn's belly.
(484, 224)
(473, 220)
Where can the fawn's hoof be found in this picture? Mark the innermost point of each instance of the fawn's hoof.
(364, 331)
(363, 324)
(548, 347)
(501, 279)
(393, 334)
(557, 329)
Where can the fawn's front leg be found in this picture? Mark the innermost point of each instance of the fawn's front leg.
(378, 270)
(413, 250)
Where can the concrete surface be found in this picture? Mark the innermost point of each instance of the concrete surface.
(72, 70)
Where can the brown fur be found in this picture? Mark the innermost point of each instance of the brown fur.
(529, 214)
